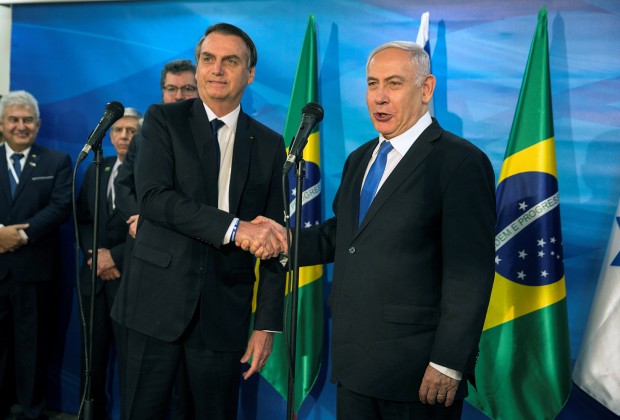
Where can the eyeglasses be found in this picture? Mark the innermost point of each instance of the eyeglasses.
(185, 90)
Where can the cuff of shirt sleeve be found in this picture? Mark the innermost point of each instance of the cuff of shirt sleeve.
(231, 233)
(454, 374)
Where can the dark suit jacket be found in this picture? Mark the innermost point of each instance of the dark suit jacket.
(112, 227)
(412, 284)
(42, 199)
(177, 260)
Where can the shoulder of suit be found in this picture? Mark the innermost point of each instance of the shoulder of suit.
(173, 107)
(37, 151)
(457, 144)
(257, 129)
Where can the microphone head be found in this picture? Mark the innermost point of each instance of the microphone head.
(115, 109)
(314, 109)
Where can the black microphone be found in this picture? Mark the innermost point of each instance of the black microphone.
(113, 112)
(311, 115)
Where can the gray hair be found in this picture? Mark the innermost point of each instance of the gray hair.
(19, 98)
(420, 58)
(133, 113)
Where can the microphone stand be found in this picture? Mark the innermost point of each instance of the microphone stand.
(300, 172)
(88, 342)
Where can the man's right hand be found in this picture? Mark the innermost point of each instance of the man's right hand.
(263, 237)
(11, 238)
(133, 225)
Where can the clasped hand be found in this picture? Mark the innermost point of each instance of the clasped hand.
(12, 237)
(263, 237)
(106, 267)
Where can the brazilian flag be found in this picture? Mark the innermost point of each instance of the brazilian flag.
(310, 293)
(524, 368)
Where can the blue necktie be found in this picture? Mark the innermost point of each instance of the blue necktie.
(372, 180)
(16, 157)
(215, 127)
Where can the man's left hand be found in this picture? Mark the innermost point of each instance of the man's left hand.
(259, 349)
(437, 388)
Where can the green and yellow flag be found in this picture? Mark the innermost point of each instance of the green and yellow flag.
(524, 368)
(310, 294)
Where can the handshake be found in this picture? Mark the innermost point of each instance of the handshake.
(263, 237)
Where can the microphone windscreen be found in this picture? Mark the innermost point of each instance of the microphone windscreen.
(313, 109)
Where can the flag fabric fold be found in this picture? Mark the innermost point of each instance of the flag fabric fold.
(423, 41)
(310, 293)
(524, 367)
(597, 370)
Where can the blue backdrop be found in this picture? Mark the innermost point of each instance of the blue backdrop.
(77, 57)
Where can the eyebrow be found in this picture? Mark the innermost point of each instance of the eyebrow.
(392, 77)
(208, 54)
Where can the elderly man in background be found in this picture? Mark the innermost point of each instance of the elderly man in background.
(35, 200)
(112, 233)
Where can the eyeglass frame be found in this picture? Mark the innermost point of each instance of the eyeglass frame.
(185, 90)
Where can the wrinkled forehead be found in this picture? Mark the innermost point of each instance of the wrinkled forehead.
(225, 45)
(18, 111)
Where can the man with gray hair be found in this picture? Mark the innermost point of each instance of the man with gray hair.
(35, 199)
(414, 250)
(412, 239)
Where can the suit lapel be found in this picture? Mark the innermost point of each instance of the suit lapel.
(242, 153)
(4, 175)
(204, 143)
(405, 169)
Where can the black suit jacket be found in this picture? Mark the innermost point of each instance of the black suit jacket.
(42, 199)
(412, 284)
(178, 261)
(112, 227)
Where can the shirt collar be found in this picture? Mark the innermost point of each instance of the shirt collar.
(10, 152)
(403, 142)
(230, 119)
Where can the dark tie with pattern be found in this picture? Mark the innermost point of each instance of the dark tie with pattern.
(372, 180)
(16, 157)
(215, 127)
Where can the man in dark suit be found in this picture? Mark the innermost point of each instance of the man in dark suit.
(35, 199)
(414, 264)
(188, 294)
(112, 232)
(177, 83)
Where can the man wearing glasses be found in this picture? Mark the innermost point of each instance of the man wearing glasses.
(178, 83)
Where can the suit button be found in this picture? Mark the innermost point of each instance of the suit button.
(352, 250)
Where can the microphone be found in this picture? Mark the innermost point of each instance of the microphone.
(311, 115)
(113, 112)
